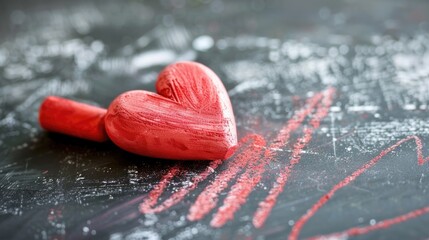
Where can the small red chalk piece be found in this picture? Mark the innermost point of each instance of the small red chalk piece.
(190, 118)
(73, 118)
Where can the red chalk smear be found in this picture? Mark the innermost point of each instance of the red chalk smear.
(207, 200)
(267, 205)
(293, 124)
(294, 234)
(253, 173)
(148, 205)
(380, 225)
(240, 190)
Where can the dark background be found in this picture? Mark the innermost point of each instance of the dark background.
(268, 54)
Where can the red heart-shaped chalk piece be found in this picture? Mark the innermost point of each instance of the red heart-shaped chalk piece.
(190, 118)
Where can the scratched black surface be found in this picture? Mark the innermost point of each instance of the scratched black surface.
(271, 55)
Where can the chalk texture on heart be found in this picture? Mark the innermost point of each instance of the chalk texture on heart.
(190, 118)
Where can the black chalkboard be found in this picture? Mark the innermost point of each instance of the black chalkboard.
(330, 97)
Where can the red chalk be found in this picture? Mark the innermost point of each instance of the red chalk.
(72, 118)
(190, 118)
(208, 198)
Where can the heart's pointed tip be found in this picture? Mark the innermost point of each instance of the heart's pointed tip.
(231, 150)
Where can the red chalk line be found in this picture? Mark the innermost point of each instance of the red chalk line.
(380, 225)
(208, 199)
(293, 124)
(243, 186)
(266, 206)
(148, 205)
(246, 183)
(296, 230)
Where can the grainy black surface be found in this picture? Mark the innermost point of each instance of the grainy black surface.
(271, 55)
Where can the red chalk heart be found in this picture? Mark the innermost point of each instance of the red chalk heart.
(190, 118)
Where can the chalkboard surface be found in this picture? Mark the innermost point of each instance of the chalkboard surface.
(331, 100)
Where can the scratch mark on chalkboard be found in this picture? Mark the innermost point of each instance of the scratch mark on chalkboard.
(380, 225)
(296, 230)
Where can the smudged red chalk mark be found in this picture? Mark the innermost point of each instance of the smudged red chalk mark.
(293, 124)
(380, 225)
(253, 173)
(240, 190)
(267, 205)
(208, 199)
(148, 205)
(296, 230)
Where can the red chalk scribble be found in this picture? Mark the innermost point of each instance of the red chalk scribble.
(293, 124)
(267, 205)
(207, 200)
(239, 191)
(148, 205)
(251, 160)
(245, 184)
(253, 173)
(294, 234)
(380, 225)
